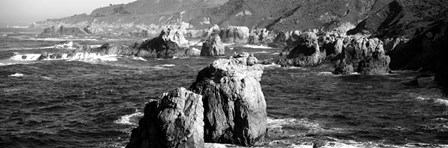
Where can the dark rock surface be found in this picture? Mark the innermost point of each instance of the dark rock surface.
(213, 46)
(402, 17)
(235, 108)
(174, 121)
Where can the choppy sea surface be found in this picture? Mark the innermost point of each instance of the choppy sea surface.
(97, 101)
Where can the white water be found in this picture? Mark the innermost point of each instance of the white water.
(17, 75)
(131, 119)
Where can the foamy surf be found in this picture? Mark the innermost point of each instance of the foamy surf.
(25, 57)
(256, 46)
(17, 75)
(131, 119)
(433, 100)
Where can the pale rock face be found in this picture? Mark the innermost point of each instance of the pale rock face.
(213, 47)
(235, 34)
(176, 36)
(234, 104)
(174, 121)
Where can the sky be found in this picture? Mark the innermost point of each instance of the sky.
(24, 12)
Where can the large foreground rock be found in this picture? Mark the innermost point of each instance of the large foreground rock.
(234, 105)
(174, 121)
(213, 47)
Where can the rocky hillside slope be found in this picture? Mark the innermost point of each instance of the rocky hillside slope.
(272, 14)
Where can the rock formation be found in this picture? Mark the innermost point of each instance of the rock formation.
(164, 46)
(176, 36)
(235, 34)
(174, 121)
(213, 47)
(303, 50)
(261, 36)
(234, 105)
(363, 55)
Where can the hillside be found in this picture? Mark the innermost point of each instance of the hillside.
(272, 14)
(275, 14)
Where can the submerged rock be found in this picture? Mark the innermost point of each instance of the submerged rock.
(174, 121)
(213, 47)
(234, 105)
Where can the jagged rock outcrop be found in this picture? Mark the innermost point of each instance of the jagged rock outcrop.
(174, 121)
(305, 50)
(235, 34)
(61, 31)
(261, 36)
(213, 47)
(234, 105)
(363, 55)
(164, 46)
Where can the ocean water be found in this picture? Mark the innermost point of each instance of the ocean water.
(97, 101)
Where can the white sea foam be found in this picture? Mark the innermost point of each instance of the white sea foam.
(17, 75)
(92, 57)
(325, 73)
(25, 57)
(256, 46)
(272, 65)
(433, 100)
(167, 65)
(138, 58)
(131, 119)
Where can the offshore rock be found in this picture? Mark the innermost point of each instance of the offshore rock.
(235, 34)
(261, 37)
(176, 36)
(306, 51)
(377, 64)
(363, 55)
(174, 121)
(234, 104)
(164, 46)
(213, 47)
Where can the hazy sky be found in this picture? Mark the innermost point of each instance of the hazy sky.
(25, 12)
